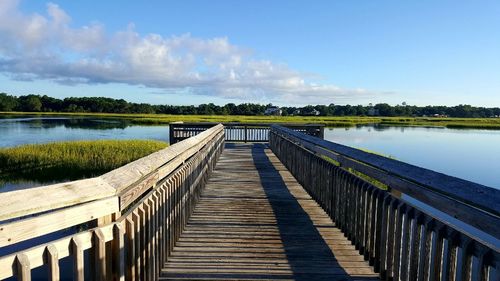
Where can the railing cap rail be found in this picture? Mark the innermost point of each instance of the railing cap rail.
(127, 175)
(247, 124)
(480, 196)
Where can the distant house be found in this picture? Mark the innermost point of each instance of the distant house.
(273, 110)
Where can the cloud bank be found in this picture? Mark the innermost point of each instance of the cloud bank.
(36, 46)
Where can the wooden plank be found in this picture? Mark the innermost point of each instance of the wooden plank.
(21, 230)
(254, 221)
(52, 263)
(40, 199)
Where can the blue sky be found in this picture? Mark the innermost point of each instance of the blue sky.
(283, 52)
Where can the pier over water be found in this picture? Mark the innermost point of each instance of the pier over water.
(254, 202)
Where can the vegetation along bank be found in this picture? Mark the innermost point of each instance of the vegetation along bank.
(70, 160)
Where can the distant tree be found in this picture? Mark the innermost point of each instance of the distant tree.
(8, 103)
(30, 103)
(385, 110)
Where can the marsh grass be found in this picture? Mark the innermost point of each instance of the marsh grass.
(330, 121)
(70, 160)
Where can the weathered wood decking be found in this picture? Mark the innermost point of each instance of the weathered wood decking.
(255, 222)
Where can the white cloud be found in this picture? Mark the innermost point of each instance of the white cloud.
(35, 46)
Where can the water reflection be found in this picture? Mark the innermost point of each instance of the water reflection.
(80, 123)
(449, 151)
(18, 130)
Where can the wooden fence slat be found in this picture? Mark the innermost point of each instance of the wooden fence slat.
(99, 255)
(131, 249)
(23, 268)
(118, 253)
(78, 262)
(52, 262)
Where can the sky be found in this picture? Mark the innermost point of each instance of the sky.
(290, 52)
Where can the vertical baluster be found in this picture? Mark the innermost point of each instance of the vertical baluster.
(78, 267)
(143, 242)
(131, 253)
(99, 246)
(162, 222)
(385, 200)
(52, 261)
(423, 252)
(362, 218)
(398, 237)
(23, 267)
(373, 224)
(149, 240)
(118, 250)
(168, 218)
(434, 252)
(379, 225)
(342, 194)
(477, 267)
(406, 242)
(368, 222)
(448, 254)
(494, 270)
(462, 266)
(358, 213)
(154, 232)
(137, 256)
(393, 205)
(416, 232)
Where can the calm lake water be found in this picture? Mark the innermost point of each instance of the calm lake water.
(468, 154)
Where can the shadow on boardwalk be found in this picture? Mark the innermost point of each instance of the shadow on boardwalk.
(308, 255)
(255, 222)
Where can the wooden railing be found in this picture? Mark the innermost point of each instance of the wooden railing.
(135, 214)
(423, 226)
(240, 132)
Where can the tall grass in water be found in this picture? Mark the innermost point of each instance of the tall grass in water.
(70, 160)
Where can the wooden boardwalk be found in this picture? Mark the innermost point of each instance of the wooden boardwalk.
(255, 222)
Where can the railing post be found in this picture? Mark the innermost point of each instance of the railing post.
(171, 133)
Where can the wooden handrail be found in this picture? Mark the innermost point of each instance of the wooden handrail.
(26, 202)
(131, 180)
(151, 202)
(118, 182)
(479, 204)
(401, 237)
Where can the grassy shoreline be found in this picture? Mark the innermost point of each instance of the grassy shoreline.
(331, 121)
(70, 160)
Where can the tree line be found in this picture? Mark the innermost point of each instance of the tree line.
(44, 103)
